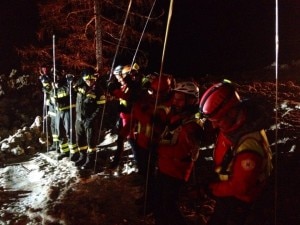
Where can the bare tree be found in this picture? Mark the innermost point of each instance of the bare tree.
(88, 32)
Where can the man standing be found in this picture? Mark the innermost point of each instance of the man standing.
(242, 157)
(177, 152)
(89, 106)
(67, 141)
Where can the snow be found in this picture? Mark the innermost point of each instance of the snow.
(38, 189)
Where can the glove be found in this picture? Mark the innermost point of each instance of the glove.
(70, 77)
(88, 123)
(112, 86)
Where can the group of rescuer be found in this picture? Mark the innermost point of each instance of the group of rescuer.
(74, 110)
(166, 122)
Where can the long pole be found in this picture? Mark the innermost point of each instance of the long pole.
(54, 85)
(71, 114)
(45, 120)
(156, 100)
(276, 109)
(110, 75)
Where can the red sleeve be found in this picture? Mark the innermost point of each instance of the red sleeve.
(246, 169)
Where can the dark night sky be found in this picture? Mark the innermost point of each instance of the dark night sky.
(17, 27)
(214, 36)
(226, 36)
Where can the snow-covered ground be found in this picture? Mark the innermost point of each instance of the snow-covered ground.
(37, 189)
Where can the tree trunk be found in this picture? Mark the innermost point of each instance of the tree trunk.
(98, 34)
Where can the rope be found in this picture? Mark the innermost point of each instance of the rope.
(156, 99)
(138, 46)
(110, 75)
(276, 110)
(119, 43)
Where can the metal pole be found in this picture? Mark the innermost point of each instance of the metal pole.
(156, 100)
(276, 110)
(71, 113)
(54, 87)
(45, 120)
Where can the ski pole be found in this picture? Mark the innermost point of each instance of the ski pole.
(45, 120)
(69, 80)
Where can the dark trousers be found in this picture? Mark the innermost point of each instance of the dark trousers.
(146, 163)
(64, 126)
(230, 211)
(87, 133)
(167, 195)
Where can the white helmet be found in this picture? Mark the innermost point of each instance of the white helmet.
(187, 87)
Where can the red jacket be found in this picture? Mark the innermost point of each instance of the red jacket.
(244, 175)
(179, 149)
(145, 117)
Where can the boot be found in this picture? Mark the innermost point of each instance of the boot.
(53, 147)
(63, 155)
(75, 156)
(81, 160)
(90, 161)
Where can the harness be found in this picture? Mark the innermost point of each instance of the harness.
(147, 129)
(254, 142)
(171, 134)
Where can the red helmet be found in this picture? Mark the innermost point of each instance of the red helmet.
(218, 99)
(161, 84)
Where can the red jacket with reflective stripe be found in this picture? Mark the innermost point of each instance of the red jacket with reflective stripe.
(177, 154)
(247, 169)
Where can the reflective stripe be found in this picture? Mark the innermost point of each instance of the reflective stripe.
(91, 149)
(91, 96)
(55, 138)
(62, 94)
(83, 148)
(102, 100)
(53, 114)
(66, 107)
(256, 142)
(123, 102)
(64, 147)
(81, 90)
(73, 148)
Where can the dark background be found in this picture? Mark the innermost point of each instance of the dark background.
(206, 37)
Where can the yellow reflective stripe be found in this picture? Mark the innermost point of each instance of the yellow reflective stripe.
(223, 177)
(257, 142)
(81, 90)
(123, 102)
(102, 100)
(144, 129)
(66, 107)
(73, 148)
(83, 148)
(64, 147)
(89, 77)
(55, 138)
(91, 95)
(91, 149)
(62, 94)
